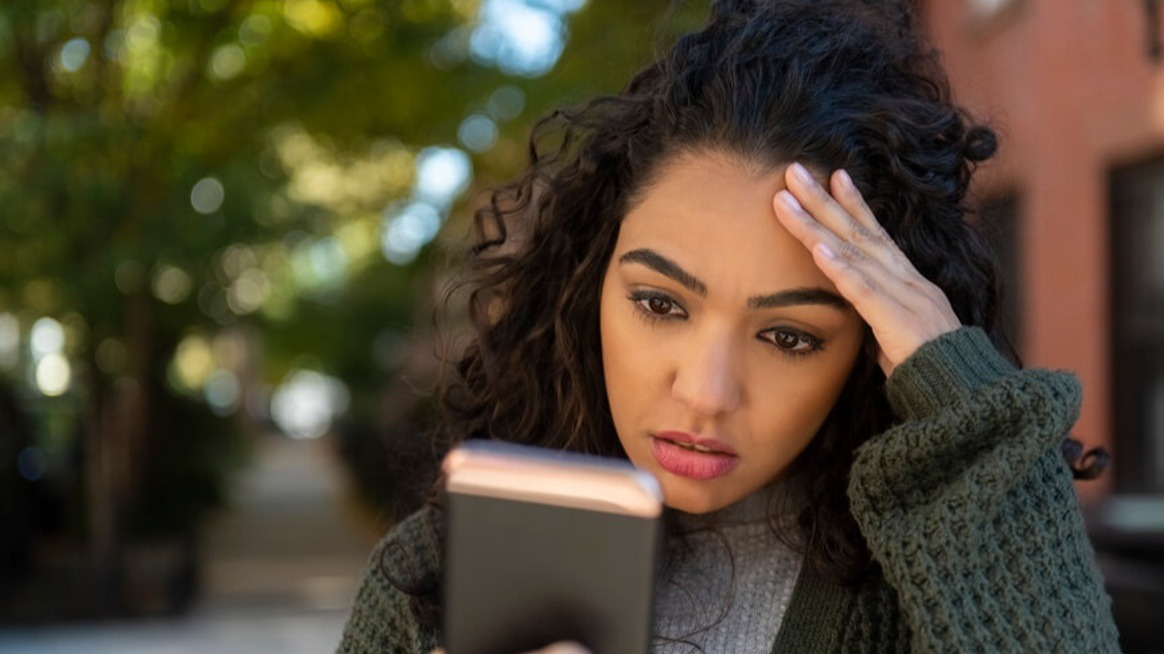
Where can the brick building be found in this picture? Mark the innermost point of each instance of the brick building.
(1075, 198)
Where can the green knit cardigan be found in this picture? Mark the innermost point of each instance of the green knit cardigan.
(967, 506)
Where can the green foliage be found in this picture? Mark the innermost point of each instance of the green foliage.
(178, 167)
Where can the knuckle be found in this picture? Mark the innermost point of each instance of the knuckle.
(859, 234)
(850, 251)
(883, 237)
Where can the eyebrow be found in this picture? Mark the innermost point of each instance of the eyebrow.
(795, 296)
(785, 298)
(665, 266)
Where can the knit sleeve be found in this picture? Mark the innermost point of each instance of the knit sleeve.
(395, 611)
(969, 507)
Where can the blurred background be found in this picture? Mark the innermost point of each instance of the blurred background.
(226, 227)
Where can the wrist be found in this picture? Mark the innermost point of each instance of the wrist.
(944, 370)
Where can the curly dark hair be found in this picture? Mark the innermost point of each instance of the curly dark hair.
(849, 84)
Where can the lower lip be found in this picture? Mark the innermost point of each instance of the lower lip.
(688, 463)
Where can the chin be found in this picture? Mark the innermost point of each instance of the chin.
(692, 501)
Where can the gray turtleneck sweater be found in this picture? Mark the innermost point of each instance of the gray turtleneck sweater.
(728, 582)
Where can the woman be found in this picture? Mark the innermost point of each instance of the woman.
(750, 273)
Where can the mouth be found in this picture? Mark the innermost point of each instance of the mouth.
(693, 444)
(692, 447)
(685, 456)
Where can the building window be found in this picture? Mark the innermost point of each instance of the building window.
(1137, 262)
(998, 220)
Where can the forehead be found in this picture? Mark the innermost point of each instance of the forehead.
(712, 214)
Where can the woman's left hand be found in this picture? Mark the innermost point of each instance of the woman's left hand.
(903, 308)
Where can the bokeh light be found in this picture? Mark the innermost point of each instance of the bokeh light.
(442, 174)
(478, 133)
(74, 54)
(143, 34)
(319, 266)
(207, 195)
(228, 62)
(317, 18)
(53, 375)
(193, 362)
(171, 284)
(248, 292)
(506, 103)
(47, 337)
(254, 30)
(407, 231)
(308, 403)
(222, 392)
(520, 37)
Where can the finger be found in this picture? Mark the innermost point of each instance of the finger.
(900, 311)
(870, 293)
(872, 271)
(877, 298)
(846, 193)
(824, 208)
(849, 197)
(902, 315)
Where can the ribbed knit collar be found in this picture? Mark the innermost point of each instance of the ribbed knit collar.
(749, 510)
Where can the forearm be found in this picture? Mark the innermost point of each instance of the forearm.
(970, 509)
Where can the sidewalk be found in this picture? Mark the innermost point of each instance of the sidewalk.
(279, 570)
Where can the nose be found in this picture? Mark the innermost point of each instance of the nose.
(708, 377)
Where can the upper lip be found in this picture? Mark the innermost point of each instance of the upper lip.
(713, 444)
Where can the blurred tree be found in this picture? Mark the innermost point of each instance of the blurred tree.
(186, 182)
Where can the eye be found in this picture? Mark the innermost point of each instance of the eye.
(657, 306)
(792, 341)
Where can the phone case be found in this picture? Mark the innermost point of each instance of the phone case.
(546, 546)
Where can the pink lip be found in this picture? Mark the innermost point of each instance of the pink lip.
(688, 463)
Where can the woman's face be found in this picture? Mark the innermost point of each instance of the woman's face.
(724, 346)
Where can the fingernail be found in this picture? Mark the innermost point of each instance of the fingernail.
(826, 251)
(802, 173)
(789, 201)
(844, 178)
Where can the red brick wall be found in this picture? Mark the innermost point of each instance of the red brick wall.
(1071, 89)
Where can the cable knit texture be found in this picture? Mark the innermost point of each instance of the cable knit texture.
(967, 506)
(386, 619)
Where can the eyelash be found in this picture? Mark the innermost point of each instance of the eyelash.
(641, 299)
(811, 343)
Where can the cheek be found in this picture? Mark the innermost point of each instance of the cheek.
(619, 352)
(802, 396)
(632, 364)
(615, 349)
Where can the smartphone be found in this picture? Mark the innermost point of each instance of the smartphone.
(545, 546)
